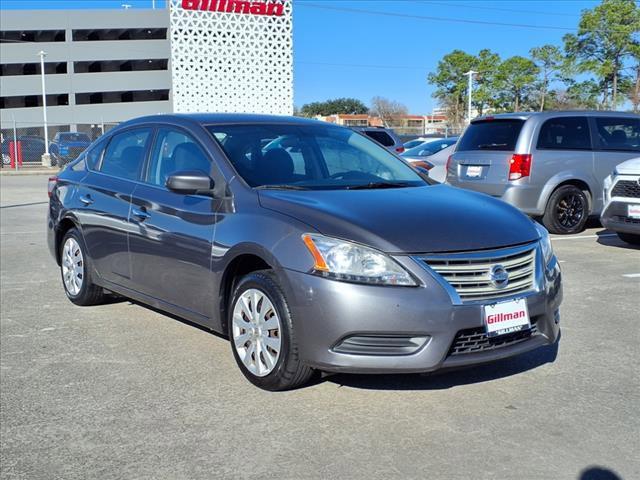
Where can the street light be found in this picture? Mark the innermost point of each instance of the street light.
(470, 74)
(46, 160)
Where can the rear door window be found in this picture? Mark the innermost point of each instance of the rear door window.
(565, 133)
(95, 154)
(125, 153)
(621, 134)
(491, 135)
(381, 137)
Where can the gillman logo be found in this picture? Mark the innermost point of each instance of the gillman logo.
(275, 9)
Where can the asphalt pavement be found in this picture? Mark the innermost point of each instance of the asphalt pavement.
(121, 391)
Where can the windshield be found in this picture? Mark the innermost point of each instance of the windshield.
(75, 137)
(427, 149)
(310, 157)
(497, 134)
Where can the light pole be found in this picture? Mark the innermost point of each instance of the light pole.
(470, 74)
(46, 159)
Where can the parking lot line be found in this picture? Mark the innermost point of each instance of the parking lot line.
(583, 236)
(631, 275)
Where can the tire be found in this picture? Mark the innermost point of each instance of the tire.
(257, 357)
(567, 210)
(75, 270)
(629, 238)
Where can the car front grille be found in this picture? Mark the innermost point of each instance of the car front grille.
(626, 188)
(475, 340)
(469, 274)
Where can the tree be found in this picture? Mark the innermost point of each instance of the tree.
(346, 106)
(484, 92)
(514, 80)
(607, 36)
(451, 83)
(549, 60)
(387, 109)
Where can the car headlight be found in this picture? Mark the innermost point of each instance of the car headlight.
(351, 262)
(545, 244)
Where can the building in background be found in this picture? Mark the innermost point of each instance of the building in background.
(401, 124)
(107, 66)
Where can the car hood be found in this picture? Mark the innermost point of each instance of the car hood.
(426, 219)
(630, 167)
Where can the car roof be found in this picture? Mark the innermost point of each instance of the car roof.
(223, 118)
(554, 113)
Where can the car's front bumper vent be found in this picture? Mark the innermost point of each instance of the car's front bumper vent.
(470, 274)
(380, 344)
(475, 340)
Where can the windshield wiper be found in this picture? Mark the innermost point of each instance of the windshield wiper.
(281, 187)
(373, 185)
(483, 146)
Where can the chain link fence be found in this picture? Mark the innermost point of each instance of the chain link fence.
(23, 144)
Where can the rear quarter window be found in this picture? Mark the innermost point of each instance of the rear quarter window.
(565, 133)
(621, 134)
(381, 137)
(491, 135)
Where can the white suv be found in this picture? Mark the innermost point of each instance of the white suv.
(621, 211)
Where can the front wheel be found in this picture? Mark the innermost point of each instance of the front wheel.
(567, 210)
(75, 271)
(629, 238)
(262, 334)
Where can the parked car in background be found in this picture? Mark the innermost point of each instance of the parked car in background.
(419, 141)
(352, 263)
(432, 156)
(33, 147)
(66, 146)
(548, 164)
(384, 136)
(621, 212)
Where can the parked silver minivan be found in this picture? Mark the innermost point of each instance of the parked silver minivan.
(548, 164)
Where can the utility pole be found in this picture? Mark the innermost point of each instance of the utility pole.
(46, 159)
(470, 74)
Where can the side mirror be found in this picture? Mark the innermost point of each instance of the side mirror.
(189, 182)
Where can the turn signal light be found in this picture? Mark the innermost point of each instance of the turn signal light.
(400, 149)
(423, 164)
(520, 166)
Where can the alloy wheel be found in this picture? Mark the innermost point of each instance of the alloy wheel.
(256, 332)
(570, 210)
(72, 266)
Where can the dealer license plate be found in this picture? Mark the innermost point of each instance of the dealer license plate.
(633, 211)
(506, 317)
(474, 171)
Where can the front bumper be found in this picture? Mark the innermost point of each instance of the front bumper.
(325, 312)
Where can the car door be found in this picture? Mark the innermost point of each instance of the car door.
(617, 139)
(171, 233)
(104, 198)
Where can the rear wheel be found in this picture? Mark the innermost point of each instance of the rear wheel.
(262, 335)
(75, 271)
(567, 210)
(629, 238)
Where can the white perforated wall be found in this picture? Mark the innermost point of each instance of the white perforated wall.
(231, 62)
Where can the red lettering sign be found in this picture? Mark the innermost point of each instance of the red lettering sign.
(504, 317)
(274, 9)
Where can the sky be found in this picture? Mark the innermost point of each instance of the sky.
(364, 48)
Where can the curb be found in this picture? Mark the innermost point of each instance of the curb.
(29, 171)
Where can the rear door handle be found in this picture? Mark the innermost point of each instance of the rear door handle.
(86, 200)
(140, 213)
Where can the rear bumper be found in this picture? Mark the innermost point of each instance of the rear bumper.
(326, 312)
(523, 196)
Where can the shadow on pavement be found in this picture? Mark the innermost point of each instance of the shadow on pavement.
(598, 473)
(609, 239)
(450, 378)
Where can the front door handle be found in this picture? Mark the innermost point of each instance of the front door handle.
(86, 200)
(140, 214)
